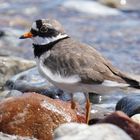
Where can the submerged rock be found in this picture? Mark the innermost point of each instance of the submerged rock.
(10, 66)
(129, 105)
(123, 121)
(34, 115)
(74, 131)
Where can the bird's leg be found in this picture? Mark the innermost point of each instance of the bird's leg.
(87, 107)
(73, 105)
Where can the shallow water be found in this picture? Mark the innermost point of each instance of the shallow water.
(117, 37)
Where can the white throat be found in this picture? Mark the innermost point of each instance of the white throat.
(46, 40)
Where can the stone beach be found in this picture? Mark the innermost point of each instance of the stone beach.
(31, 108)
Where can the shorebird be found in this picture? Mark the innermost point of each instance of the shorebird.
(71, 65)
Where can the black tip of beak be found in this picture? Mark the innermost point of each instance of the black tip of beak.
(22, 37)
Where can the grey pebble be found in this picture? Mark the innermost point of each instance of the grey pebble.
(129, 105)
(74, 131)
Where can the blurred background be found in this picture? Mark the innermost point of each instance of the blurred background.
(111, 26)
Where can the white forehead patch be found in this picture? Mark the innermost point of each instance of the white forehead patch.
(46, 40)
(34, 26)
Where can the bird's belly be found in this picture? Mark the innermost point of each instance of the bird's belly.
(72, 83)
(65, 83)
(85, 88)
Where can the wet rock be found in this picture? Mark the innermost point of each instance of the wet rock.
(90, 7)
(56, 93)
(4, 136)
(10, 66)
(136, 118)
(129, 105)
(123, 121)
(34, 115)
(107, 34)
(95, 98)
(73, 131)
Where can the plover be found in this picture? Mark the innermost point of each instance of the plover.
(73, 66)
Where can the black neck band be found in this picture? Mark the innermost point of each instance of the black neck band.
(40, 49)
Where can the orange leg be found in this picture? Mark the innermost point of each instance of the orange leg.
(73, 105)
(87, 107)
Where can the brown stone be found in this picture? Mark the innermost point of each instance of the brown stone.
(123, 121)
(34, 115)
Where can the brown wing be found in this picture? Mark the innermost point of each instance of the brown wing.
(71, 57)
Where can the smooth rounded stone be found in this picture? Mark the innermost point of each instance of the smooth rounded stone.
(122, 4)
(136, 118)
(90, 7)
(35, 115)
(10, 66)
(79, 97)
(129, 105)
(56, 93)
(121, 120)
(73, 131)
(69, 129)
(4, 136)
(9, 93)
(31, 81)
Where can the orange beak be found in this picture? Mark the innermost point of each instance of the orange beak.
(26, 35)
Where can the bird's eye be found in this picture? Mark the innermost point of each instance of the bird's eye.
(43, 29)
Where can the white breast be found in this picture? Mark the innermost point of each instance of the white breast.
(55, 77)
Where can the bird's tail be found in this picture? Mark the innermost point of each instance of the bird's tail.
(132, 80)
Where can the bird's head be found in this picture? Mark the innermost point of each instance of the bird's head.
(44, 31)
